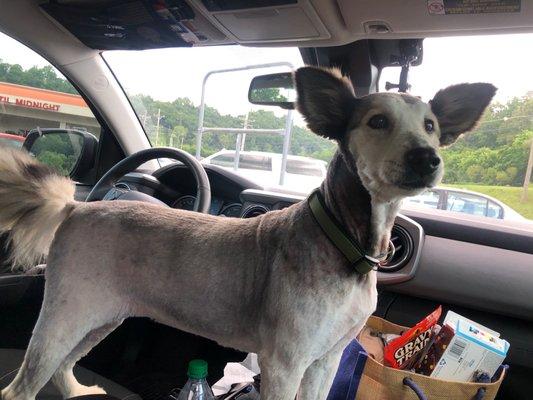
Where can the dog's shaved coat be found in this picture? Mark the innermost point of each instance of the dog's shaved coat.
(273, 285)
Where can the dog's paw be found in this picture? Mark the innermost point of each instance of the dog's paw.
(86, 390)
(6, 394)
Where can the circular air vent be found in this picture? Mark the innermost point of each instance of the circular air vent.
(254, 211)
(403, 244)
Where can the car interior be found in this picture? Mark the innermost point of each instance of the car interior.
(480, 268)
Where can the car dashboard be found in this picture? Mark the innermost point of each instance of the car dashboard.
(422, 238)
(236, 197)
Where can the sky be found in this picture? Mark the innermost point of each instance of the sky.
(166, 74)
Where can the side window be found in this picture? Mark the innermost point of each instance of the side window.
(33, 94)
(249, 161)
(494, 211)
(428, 199)
(300, 167)
(224, 160)
(466, 203)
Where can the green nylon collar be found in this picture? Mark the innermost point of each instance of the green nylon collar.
(338, 235)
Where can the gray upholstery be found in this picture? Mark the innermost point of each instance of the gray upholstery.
(11, 359)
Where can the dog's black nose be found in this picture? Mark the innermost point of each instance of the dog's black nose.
(422, 160)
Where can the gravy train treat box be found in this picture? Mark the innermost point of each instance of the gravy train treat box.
(399, 352)
(471, 350)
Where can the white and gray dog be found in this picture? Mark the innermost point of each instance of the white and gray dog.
(279, 286)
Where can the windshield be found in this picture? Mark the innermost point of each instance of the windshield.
(168, 100)
(485, 170)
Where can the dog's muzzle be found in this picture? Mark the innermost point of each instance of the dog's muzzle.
(422, 165)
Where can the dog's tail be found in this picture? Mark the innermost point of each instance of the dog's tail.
(34, 201)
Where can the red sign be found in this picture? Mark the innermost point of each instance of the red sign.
(41, 105)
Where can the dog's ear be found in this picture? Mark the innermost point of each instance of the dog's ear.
(326, 100)
(459, 107)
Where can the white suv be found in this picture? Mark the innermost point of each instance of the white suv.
(302, 174)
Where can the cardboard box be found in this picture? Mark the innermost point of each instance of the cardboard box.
(471, 349)
(452, 318)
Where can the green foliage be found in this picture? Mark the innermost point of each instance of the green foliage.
(39, 77)
(268, 95)
(179, 124)
(500, 163)
(495, 153)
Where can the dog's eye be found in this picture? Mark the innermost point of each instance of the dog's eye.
(429, 125)
(378, 121)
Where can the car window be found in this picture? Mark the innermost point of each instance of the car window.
(306, 168)
(494, 210)
(257, 162)
(428, 199)
(224, 160)
(33, 94)
(491, 160)
(466, 203)
(168, 105)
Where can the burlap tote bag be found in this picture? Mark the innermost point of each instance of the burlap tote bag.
(363, 378)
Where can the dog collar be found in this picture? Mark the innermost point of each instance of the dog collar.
(341, 239)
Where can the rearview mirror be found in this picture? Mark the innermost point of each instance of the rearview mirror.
(70, 152)
(273, 90)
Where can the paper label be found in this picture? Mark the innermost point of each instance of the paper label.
(453, 7)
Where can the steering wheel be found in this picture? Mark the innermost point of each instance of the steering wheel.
(103, 190)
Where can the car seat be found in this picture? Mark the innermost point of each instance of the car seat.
(11, 359)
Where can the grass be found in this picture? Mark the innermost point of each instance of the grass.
(506, 194)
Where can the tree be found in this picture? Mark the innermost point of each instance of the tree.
(474, 173)
(268, 95)
(39, 77)
(496, 152)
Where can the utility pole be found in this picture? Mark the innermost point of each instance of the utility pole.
(527, 178)
(245, 127)
(239, 145)
(157, 127)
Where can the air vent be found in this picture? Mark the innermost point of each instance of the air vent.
(254, 211)
(403, 244)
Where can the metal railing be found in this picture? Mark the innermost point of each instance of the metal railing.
(241, 132)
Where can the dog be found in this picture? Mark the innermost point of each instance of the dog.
(283, 290)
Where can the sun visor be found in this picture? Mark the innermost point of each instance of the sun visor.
(128, 24)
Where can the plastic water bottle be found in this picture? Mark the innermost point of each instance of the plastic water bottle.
(196, 387)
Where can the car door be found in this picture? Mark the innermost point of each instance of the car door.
(35, 95)
(480, 268)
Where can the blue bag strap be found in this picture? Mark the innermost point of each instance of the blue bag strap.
(349, 373)
(412, 385)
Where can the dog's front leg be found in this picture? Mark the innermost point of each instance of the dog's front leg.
(279, 379)
(318, 377)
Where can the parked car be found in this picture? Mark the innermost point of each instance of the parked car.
(462, 201)
(302, 174)
(9, 140)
